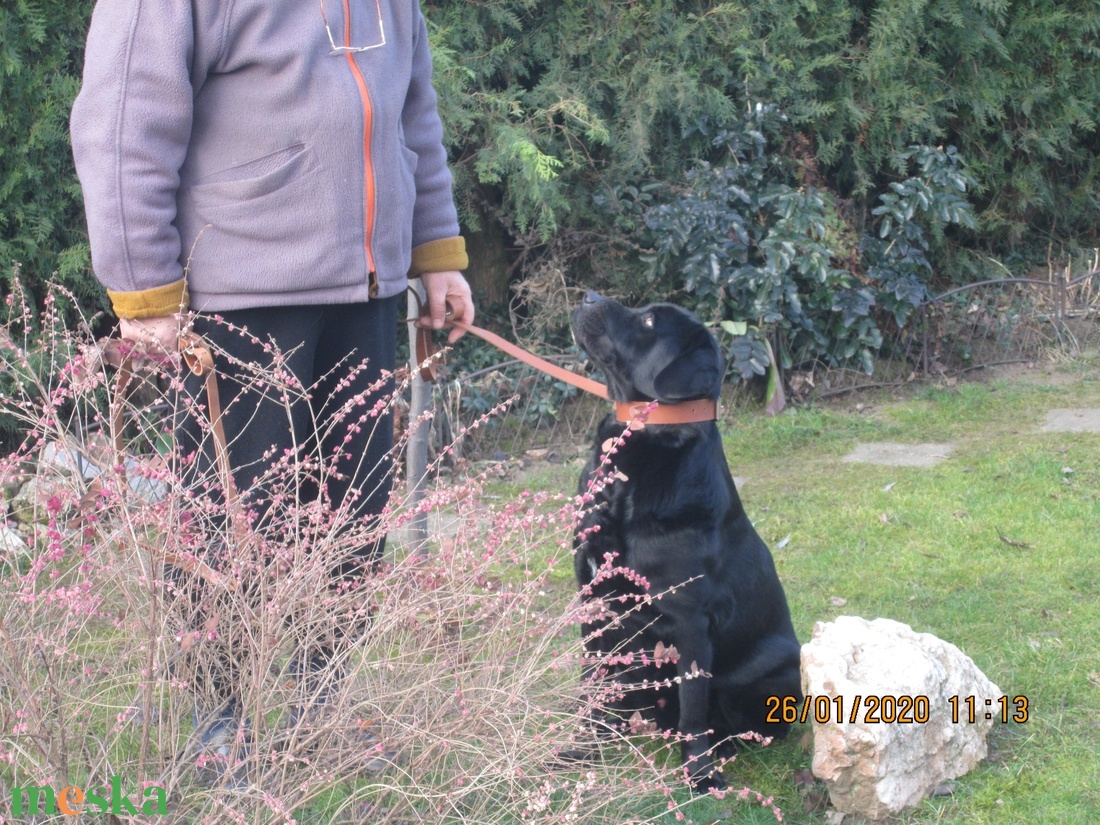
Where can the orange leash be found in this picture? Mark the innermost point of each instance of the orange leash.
(687, 412)
(197, 357)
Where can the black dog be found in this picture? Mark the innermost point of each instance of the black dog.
(673, 516)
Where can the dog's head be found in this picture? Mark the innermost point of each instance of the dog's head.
(657, 353)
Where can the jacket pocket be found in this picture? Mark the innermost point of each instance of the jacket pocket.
(255, 178)
(268, 226)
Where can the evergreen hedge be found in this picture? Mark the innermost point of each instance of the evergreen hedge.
(556, 108)
(551, 104)
(42, 230)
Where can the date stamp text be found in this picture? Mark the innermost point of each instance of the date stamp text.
(891, 710)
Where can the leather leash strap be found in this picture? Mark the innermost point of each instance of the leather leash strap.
(687, 412)
(197, 357)
(426, 346)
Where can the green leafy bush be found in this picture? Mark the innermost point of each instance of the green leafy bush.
(740, 242)
(1014, 85)
(553, 105)
(897, 259)
(42, 226)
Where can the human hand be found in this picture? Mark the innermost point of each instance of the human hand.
(447, 290)
(162, 332)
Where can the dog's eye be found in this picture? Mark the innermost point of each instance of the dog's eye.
(648, 322)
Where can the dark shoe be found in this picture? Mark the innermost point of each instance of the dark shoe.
(372, 755)
(317, 682)
(223, 750)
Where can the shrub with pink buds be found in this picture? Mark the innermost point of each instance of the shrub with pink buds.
(135, 591)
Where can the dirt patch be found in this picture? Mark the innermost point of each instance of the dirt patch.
(893, 454)
(1085, 420)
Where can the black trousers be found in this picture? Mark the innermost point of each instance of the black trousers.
(302, 388)
(333, 357)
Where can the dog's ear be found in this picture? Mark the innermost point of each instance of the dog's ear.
(695, 373)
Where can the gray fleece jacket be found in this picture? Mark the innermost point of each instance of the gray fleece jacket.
(224, 151)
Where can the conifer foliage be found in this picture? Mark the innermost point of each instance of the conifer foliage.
(41, 223)
(556, 110)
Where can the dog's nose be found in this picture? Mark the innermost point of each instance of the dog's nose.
(591, 297)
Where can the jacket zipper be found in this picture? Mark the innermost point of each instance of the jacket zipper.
(368, 167)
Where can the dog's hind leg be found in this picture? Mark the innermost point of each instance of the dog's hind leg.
(751, 698)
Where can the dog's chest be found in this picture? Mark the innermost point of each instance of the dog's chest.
(650, 501)
(632, 489)
(655, 472)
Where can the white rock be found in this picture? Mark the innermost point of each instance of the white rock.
(875, 768)
(28, 505)
(66, 458)
(12, 544)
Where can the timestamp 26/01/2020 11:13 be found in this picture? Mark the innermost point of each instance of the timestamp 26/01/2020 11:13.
(888, 709)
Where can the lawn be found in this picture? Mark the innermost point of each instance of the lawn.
(995, 550)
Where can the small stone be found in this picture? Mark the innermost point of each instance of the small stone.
(892, 454)
(1085, 420)
(66, 459)
(146, 487)
(10, 487)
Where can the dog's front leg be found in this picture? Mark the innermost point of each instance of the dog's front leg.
(693, 670)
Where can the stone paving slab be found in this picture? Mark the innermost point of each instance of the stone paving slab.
(900, 455)
(1072, 421)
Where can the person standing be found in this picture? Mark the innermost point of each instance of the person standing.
(275, 166)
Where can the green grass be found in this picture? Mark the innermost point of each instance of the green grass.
(940, 549)
(925, 547)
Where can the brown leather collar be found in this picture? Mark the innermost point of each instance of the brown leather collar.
(688, 412)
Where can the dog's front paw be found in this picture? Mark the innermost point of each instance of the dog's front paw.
(713, 781)
(702, 774)
(580, 755)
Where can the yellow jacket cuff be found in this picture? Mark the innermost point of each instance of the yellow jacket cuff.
(158, 302)
(443, 255)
